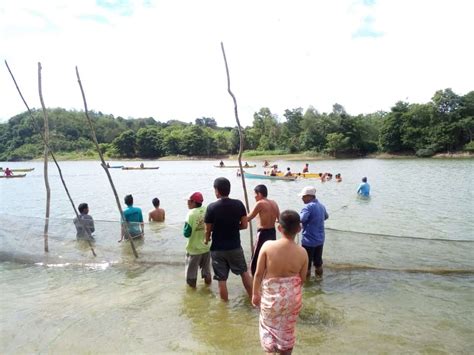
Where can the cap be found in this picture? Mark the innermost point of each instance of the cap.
(308, 190)
(196, 197)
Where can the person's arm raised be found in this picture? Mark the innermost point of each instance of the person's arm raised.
(254, 212)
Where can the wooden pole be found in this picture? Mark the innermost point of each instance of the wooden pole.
(241, 145)
(45, 166)
(104, 165)
(50, 152)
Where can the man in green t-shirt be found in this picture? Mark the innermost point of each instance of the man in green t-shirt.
(197, 253)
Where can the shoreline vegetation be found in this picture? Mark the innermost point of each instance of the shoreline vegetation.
(441, 128)
(263, 157)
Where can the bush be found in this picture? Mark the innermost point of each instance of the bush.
(256, 153)
(469, 147)
(425, 153)
(25, 152)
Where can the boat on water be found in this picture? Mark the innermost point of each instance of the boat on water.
(269, 177)
(138, 168)
(19, 170)
(12, 176)
(235, 166)
(303, 175)
(115, 167)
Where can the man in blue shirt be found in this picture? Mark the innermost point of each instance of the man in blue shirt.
(134, 218)
(312, 217)
(364, 188)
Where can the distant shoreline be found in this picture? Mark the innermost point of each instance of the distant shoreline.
(288, 157)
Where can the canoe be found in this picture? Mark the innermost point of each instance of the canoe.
(303, 175)
(235, 166)
(269, 177)
(19, 170)
(115, 167)
(12, 176)
(144, 168)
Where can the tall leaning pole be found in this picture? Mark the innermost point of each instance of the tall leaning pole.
(104, 165)
(50, 150)
(241, 144)
(45, 166)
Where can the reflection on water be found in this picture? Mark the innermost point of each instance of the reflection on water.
(379, 294)
(149, 309)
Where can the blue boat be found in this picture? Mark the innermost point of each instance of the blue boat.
(269, 177)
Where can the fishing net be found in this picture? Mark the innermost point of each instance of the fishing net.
(21, 240)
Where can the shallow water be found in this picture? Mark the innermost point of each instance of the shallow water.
(379, 293)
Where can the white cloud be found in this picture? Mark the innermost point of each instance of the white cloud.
(164, 60)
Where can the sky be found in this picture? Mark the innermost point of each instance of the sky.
(162, 59)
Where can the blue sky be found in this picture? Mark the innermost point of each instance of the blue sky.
(162, 59)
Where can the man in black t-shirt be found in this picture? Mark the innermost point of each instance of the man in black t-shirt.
(224, 219)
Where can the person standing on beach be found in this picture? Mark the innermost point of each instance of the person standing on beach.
(197, 252)
(158, 214)
(313, 216)
(364, 188)
(133, 220)
(84, 224)
(224, 219)
(277, 286)
(267, 212)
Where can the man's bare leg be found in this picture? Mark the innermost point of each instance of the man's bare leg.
(247, 281)
(208, 280)
(319, 271)
(223, 290)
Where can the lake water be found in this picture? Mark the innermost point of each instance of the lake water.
(399, 269)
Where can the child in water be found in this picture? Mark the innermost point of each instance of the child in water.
(284, 265)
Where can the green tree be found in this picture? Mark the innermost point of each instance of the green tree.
(149, 142)
(206, 122)
(125, 144)
(337, 143)
(390, 139)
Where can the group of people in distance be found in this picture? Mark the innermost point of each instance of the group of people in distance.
(279, 267)
(133, 225)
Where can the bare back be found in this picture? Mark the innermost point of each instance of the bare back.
(156, 215)
(267, 211)
(284, 258)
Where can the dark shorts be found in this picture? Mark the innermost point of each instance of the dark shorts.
(263, 235)
(225, 260)
(315, 255)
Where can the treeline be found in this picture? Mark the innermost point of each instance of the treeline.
(444, 124)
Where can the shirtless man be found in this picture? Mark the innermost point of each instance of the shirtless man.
(277, 286)
(274, 171)
(158, 214)
(268, 212)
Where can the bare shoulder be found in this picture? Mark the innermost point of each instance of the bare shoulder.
(269, 245)
(302, 250)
